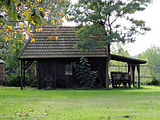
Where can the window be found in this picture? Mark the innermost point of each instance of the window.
(68, 69)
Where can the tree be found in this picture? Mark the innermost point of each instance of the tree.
(19, 18)
(119, 49)
(23, 16)
(103, 18)
(85, 77)
(152, 55)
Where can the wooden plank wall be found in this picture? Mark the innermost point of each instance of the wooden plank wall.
(2, 72)
(54, 70)
(99, 65)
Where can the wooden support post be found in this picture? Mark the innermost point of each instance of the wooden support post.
(107, 76)
(21, 75)
(24, 74)
(108, 52)
(128, 68)
(133, 74)
(129, 75)
(138, 70)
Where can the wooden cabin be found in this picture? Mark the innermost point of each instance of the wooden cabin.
(54, 58)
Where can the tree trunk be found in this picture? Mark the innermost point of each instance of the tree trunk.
(107, 67)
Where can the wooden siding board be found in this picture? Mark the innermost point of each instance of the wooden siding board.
(56, 69)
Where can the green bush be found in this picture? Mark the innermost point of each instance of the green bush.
(31, 80)
(12, 80)
(85, 77)
(155, 79)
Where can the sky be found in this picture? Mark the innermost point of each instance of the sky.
(152, 17)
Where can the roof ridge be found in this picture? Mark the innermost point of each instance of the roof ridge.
(56, 26)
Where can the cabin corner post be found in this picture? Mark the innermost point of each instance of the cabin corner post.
(24, 74)
(107, 77)
(107, 73)
(107, 65)
(21, 75)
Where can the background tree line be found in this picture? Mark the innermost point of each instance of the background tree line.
(152, 56)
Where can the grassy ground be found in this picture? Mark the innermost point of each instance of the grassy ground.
(115, 104)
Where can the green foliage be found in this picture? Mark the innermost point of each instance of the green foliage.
(103, 18)
(18, 18)
(155, 79)
(85, 77)
(12, 80)
(152, 55)
(119, 49)
(10, 52)
(32, 10)
(90, 41)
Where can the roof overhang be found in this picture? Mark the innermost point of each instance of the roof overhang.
(127, 59)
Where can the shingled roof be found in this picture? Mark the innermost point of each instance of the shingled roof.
(46, 45)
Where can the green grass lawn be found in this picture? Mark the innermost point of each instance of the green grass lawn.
(114, 104)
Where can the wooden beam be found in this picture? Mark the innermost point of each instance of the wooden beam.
(28, 64)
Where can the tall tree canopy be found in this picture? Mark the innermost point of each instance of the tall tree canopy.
(18, 19)
(111, 20)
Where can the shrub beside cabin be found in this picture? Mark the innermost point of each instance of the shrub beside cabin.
(54, 59)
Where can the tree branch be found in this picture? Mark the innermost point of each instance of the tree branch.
(114, 20)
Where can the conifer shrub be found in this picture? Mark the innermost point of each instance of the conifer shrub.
(85, 77)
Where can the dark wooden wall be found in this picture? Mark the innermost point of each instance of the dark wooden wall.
(2, 79)
(53, 71)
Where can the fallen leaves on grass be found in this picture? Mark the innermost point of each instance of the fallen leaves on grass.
(46, 112)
